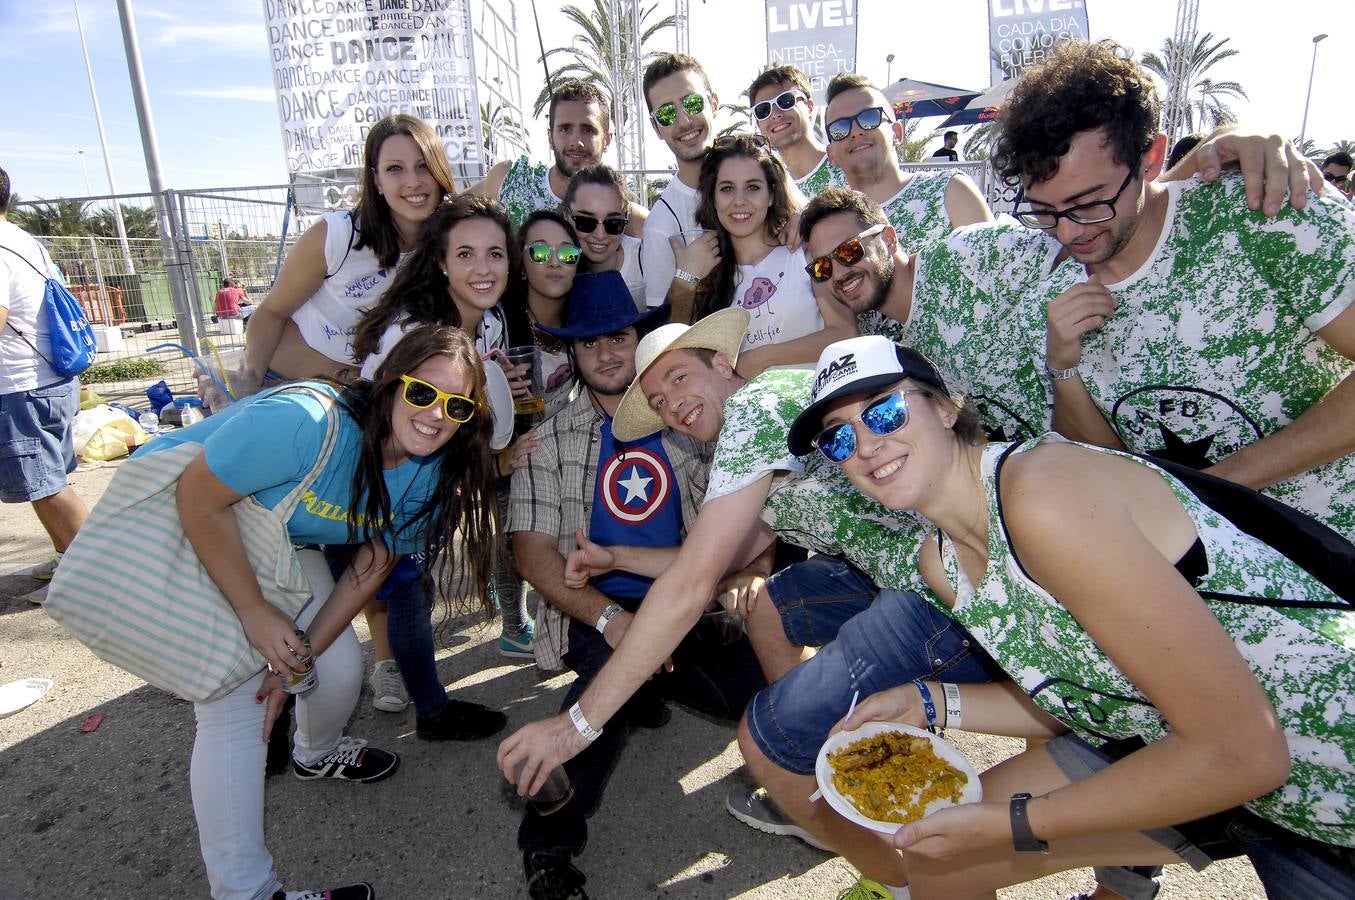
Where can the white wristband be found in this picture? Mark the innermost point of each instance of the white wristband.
(589, 733)
(607, 615)
(952, 694)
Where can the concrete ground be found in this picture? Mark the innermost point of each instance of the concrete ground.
(107, 813)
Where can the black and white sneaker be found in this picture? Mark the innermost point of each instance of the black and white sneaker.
(361, 891)
(353, 760)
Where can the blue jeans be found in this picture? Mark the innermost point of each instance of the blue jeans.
(709, 676)
(409, 629)
(897, 638)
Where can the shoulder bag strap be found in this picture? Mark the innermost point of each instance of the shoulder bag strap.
(23, 337)
(289, 503)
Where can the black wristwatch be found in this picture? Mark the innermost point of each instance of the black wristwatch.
(1023, 838)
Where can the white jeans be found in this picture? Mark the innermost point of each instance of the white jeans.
(227, 772)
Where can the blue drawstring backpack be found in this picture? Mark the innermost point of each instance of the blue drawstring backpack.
(70, 337)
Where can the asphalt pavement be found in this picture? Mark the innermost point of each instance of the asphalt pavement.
(107, 814)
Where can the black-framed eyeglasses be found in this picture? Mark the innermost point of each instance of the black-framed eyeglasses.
(586, 224)
(849, 253)
(421, 395)
(540, 253)
(783, 100)
(694, 104)
(866, 120)
(1082, 213)
(883, 416)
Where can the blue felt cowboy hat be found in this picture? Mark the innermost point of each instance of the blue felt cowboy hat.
(600, 303)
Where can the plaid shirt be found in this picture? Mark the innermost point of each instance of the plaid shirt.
(554, 493)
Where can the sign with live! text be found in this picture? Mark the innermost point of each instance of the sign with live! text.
(341, 65)
(816, 36)
(1021, 33)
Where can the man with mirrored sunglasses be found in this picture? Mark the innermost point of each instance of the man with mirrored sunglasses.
(579, 117)
(682, 113)
(783, 110)
(584, 483)
(862, 131)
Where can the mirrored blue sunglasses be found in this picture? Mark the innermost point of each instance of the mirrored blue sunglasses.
(883, 416)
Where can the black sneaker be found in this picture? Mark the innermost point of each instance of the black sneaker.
(551, 876)
(352, 761)
(361, 891)
(460, 721)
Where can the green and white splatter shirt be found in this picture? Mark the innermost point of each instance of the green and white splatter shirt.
(811, 503)
(969, 317)
(1213, 346)
(525, 189)
(1304, 658)
(825, 175)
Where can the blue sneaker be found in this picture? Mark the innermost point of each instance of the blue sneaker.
(518, 646)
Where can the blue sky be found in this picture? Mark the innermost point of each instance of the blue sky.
(209, 76)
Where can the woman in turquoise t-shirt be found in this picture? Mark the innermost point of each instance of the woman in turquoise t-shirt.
(413, 454)
(1184, 726)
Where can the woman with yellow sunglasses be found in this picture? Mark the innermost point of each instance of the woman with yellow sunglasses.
(410, 471)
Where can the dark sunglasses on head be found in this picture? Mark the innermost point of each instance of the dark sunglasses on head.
(421, 395)
(540, 253)
(883, 416)
(725, 141)
(586, 224)
(693, 103)
(783, 100)
(849, 253)
(866, 120)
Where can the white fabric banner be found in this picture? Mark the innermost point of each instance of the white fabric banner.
(1022, 32)
(818, 37)
(341, 65)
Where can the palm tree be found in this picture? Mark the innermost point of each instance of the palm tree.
(978, 143)
(1340, 147)
(499, 125)
(1307, 148)
(52, 218)
(590, 55)
(742, 119)
(138, 220)
(1206, 100)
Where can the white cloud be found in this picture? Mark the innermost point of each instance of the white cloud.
(214, 37)
(239, 92)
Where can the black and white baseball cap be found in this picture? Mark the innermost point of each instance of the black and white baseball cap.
(857, 365)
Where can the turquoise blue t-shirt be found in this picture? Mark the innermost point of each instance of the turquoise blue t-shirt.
(266, 444)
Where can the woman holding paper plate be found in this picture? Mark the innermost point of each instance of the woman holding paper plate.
(1188, 718)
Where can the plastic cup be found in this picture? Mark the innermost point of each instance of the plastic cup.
(535, 402)
(554, 794)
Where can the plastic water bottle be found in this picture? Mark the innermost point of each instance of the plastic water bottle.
(189, 414)
(149, 422)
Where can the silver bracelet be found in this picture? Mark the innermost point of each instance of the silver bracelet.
(607, 615)
(1060, 374)
(589, 733)
(952, 694)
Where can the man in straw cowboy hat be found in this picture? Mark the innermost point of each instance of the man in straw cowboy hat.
(587, 482)
(758, 490)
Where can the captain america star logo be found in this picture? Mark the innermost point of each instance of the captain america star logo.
(635, 485)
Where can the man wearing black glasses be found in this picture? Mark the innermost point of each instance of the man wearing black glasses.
(1194, 328)
(783, 111)
(862, 131)
(682, 111)
(1336, 170)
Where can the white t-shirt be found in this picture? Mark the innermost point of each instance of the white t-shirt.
(632, 271)
(21, 293)
(777, 294)
(356, 282)
(673, 213)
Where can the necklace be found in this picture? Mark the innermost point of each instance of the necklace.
(546, 343)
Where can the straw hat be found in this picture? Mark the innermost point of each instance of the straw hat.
(720, 331)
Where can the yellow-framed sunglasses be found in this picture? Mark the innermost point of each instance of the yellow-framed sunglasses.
(421, 395)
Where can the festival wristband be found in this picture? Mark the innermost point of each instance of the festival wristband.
(952, 692)
(607, 615)
(928, 706)
(686, 276)
(589, 733)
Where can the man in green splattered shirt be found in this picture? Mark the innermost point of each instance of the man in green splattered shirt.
(783, 110)
(580, 132)
(1193, 328)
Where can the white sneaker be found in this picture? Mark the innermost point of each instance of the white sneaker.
(388, 688)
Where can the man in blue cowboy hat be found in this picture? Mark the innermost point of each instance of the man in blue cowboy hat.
(582, 481)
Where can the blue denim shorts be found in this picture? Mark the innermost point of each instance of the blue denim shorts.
(37, 449)
(817, 597)
(898, 638)
(1290, 867)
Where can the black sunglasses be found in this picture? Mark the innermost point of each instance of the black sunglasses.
(866, 120)
(725, 141)
(783, 100)
(586, 224)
